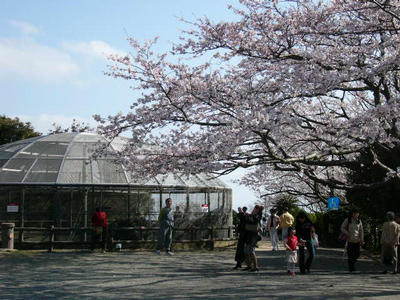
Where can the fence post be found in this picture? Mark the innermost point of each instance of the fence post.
(140, 233)
(212, 238)
(51, 239)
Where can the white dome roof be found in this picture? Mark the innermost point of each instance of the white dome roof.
(65, 159)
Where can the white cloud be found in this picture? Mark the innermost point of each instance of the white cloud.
(25, 58)
(24, 27)
(44, 122)
(94, 49)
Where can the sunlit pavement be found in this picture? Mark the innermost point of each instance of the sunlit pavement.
(186, 275)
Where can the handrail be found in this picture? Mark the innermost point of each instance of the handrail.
(52, 230)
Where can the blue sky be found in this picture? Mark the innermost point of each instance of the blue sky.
(52, 56)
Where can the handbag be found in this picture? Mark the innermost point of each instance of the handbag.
(315, 241)
(251, 227)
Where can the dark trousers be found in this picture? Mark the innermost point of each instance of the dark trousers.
(239, 256)
(353, 253)
(307, 264)
(99, 237)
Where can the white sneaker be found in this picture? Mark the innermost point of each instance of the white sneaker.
(170, 253)
(158, 252)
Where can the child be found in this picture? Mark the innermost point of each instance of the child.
(291, 253)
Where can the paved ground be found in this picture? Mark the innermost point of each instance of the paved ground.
(187, 275)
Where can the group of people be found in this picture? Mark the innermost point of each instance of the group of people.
(298, 235)
(300, 241)
(353, 234)
(302, 237)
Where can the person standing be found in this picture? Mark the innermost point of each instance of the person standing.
(352, 227)
(239, 255)
(99, 222)
(304, 231)
(264, 226)
(251, 237)
(287, 220)
(291, 251)
(389, 242)
(397, 220)
(273, 223)
(166, 223)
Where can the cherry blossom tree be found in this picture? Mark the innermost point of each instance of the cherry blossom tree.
(293, 91)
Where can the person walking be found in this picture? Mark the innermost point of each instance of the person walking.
(239, 255)
(389, 242)
(287, 220)
(99, 222)
(304, 231)
(251, 236)
(273, 223)
(397, 220)
(352, 228)
(166, 223)
(264, 226)
(291, 242)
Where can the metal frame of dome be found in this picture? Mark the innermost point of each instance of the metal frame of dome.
(65, 159)
(41, 169)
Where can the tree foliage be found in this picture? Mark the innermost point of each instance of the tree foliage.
(74, 127)
(377, 201)
(12, 130)
(286, 203)
(294, 91)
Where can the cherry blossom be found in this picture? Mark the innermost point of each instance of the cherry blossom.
(293, 91)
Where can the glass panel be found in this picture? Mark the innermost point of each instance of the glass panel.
(170, 180)
(46, 149)
(106, 171)
(81, 150)
(15, 169)
(44, 170)
(3, 162)
(10, 149)
(214, 203)
(89, 137)
(209, 181)
(193, 181)
(195, 202)
(151, 181)
(75, 171)
(60, 137)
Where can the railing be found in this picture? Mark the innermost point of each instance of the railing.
(142, 234)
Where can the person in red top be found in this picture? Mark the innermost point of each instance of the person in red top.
(291, 251)
(99, 221)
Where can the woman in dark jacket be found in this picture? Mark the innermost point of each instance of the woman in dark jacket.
(251, 236)
(239, 255)
(304, 230)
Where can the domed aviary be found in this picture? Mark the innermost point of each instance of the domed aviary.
(54, 180)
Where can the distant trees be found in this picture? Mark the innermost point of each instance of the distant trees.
(74, 127)
(12, 130)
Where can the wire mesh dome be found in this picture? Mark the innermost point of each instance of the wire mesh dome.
(65, 158)
(55, 181)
